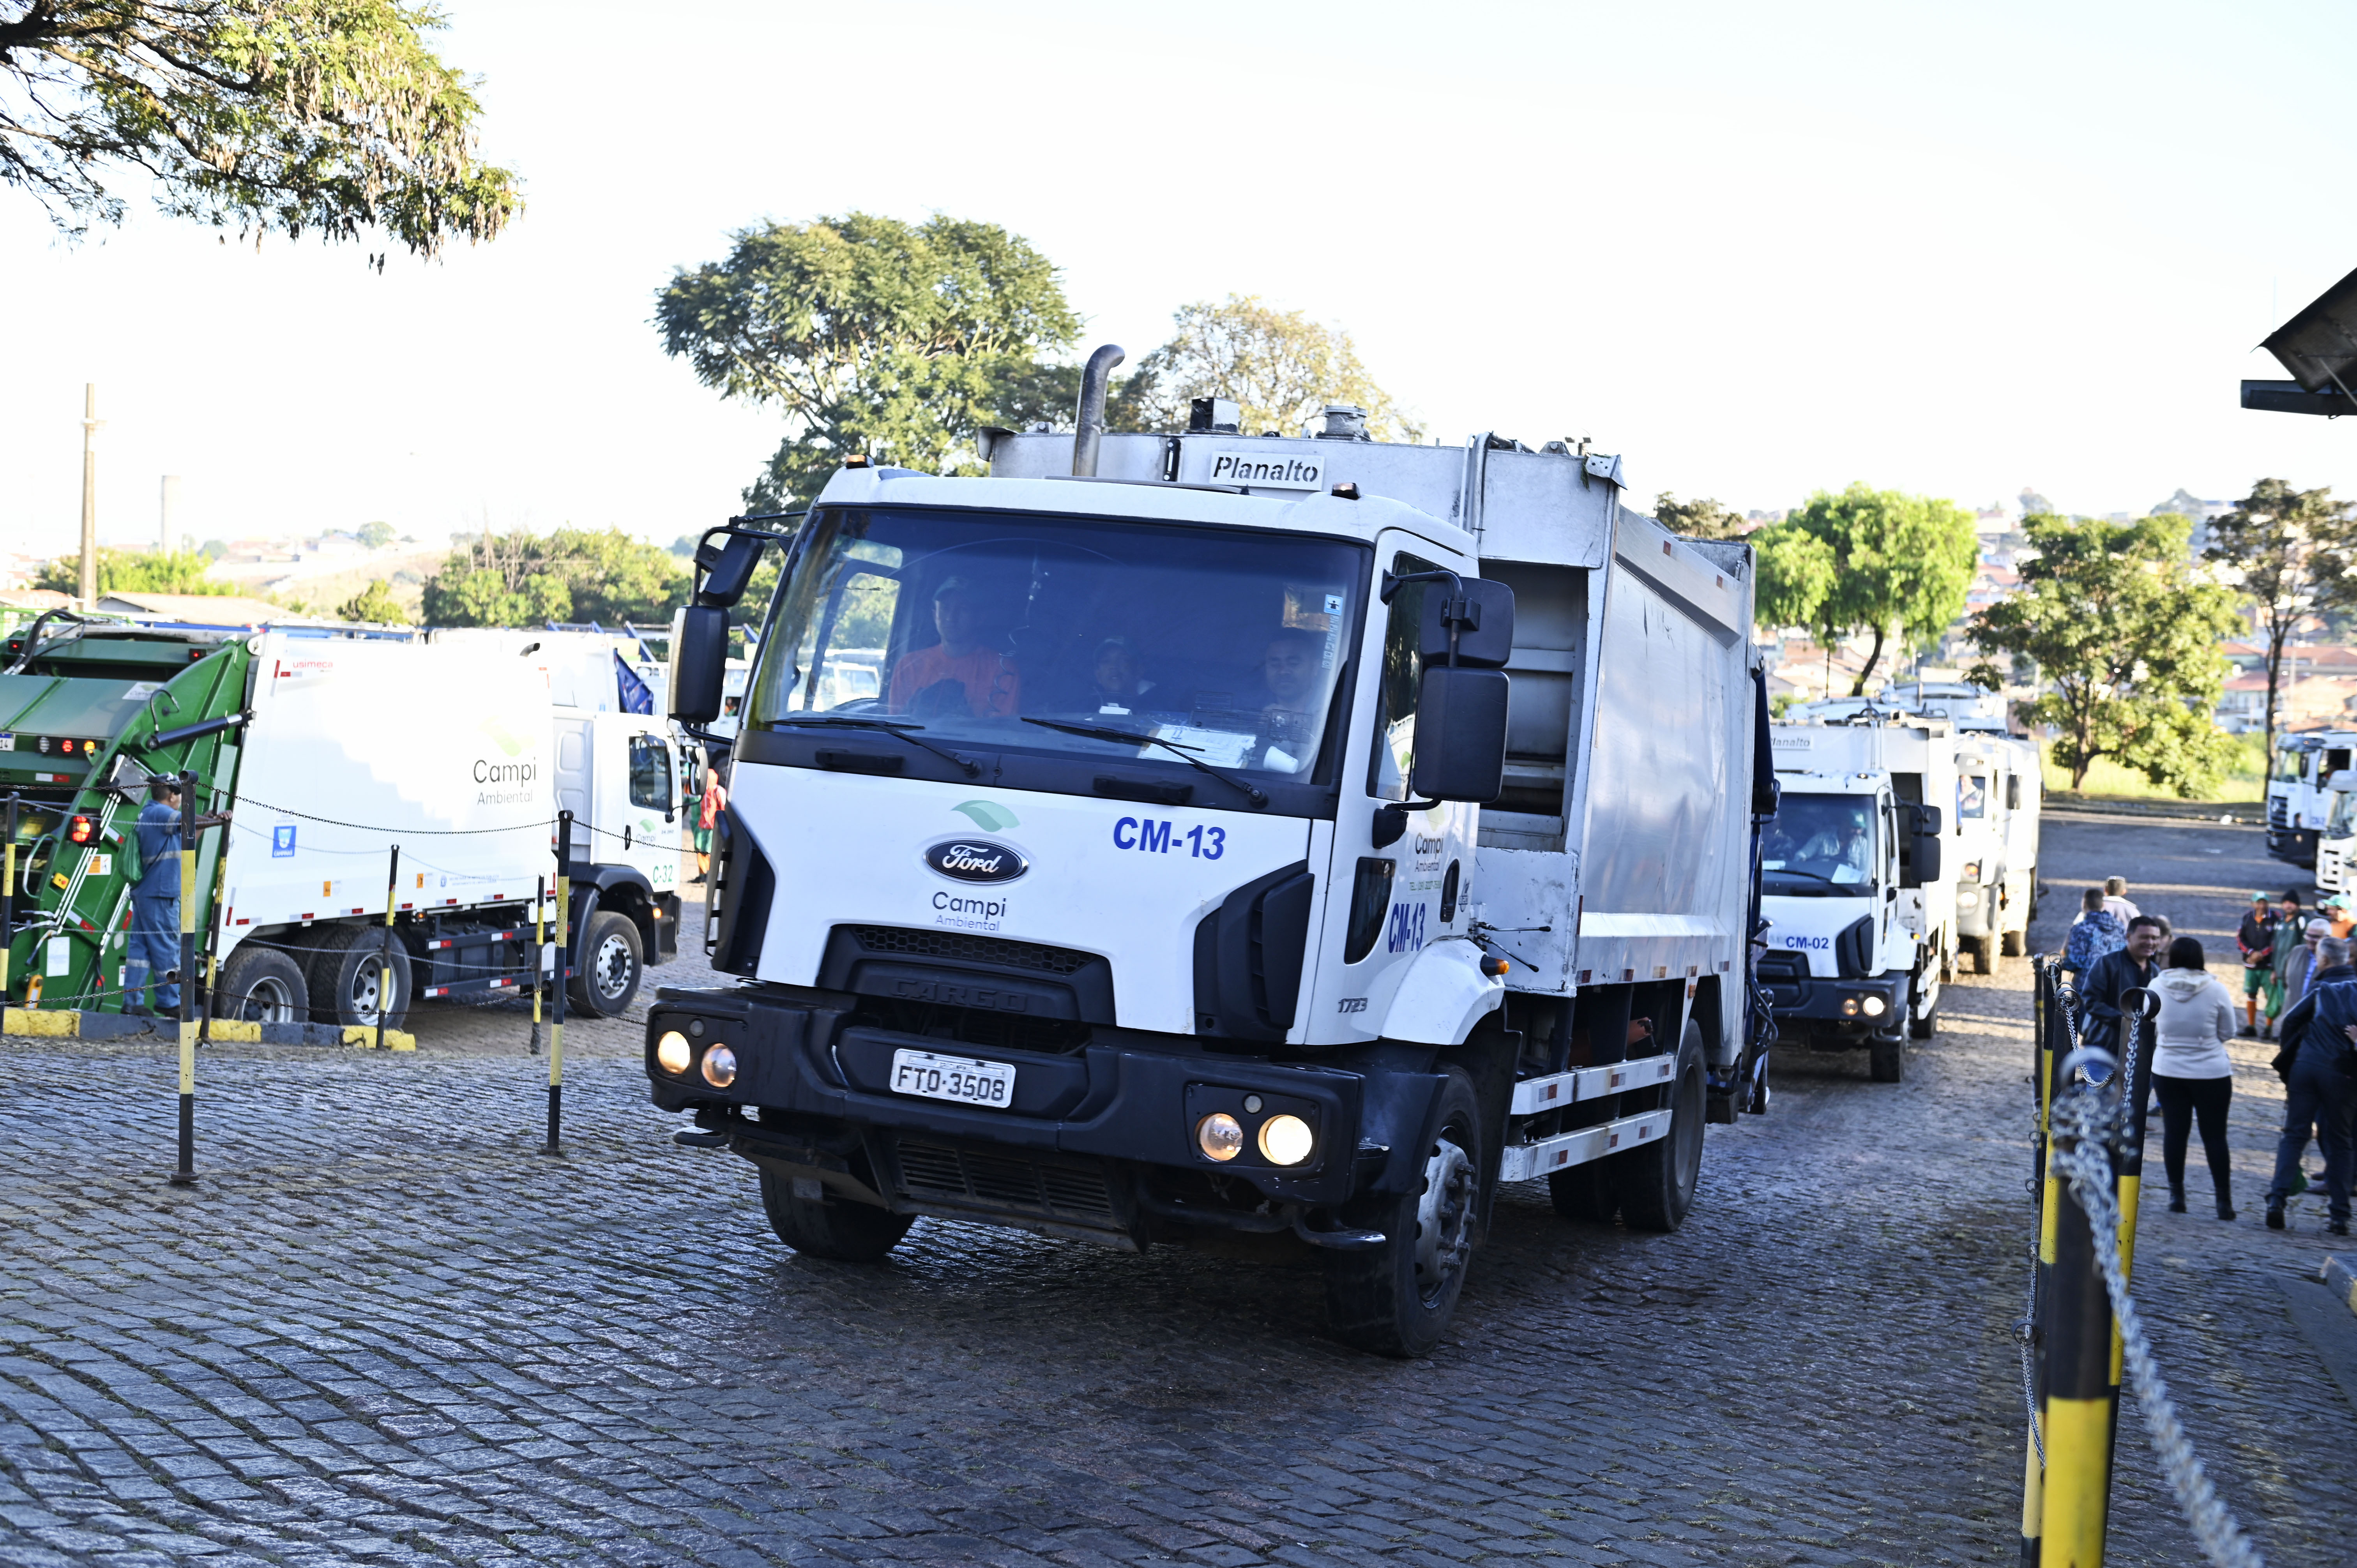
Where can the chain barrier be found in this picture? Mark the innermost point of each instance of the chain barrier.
(2086, 1119)
(2025, 1333)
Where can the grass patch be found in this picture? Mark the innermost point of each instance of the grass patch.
(2244, 780)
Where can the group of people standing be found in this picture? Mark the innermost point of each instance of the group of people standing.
(2298, 971)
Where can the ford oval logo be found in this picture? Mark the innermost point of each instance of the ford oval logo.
(976, 860)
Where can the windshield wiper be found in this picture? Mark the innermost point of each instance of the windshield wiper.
(1257, 796)
(853, 720)
(1796, 871)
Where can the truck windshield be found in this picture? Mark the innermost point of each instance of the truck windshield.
(1819, 846)
(1222, 642)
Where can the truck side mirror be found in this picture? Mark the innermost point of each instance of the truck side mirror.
(1460, 735)
(1487, 643)
(699, 662)
(1921, 866)
(728, 567)
(2013, 791)
(1927, 856)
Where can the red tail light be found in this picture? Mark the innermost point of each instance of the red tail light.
(81, 829)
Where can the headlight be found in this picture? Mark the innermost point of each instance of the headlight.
(1849, 1007)
(720, 1067)
(1874, 1006)
(1221, 1136)
(1285, 1140)
(1972, 871)
(671, 1052)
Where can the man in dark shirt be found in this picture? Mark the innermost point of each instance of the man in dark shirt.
(2099, 991)
(2258, 940)
(2319, 1095)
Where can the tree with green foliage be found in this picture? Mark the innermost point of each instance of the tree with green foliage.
(1797, 572)
(2123, 630)
(1704, 519)
(570, 574)
(1900, 565)
(213, 549)
(2289, 551)
(1280, 367)
(135, 572)
(287, 116)
(375, 606)
(375, 535)
(872, 336)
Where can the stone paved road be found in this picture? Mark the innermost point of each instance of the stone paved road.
(386, 1331)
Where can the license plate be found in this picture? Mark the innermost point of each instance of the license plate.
(961, 1078)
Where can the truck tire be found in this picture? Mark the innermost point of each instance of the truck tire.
(2014, 944)
(1886, 1061)
(1585, 1192)
(1396, 1299)
(346, 978)
(1656, 1181)
(262, 985)
(829, 1227)
(1983, 957)
(612, 960)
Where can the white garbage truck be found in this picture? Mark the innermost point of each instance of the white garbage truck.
(1994, 850)
(328, 750)
(1862, 920)
(2299, 791)
(1291, 838)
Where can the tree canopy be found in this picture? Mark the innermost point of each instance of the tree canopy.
(1703, 518)
(375, 606)
(2290, 550)
(1281, 366)
(2116, 622)
(289, 116)
(135, 572)
(570, 574)
(871, 335)
(1894, 566)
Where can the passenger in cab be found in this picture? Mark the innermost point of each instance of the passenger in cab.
(1119, 676)
(963, 674)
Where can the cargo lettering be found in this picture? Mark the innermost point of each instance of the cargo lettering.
(1152, 837)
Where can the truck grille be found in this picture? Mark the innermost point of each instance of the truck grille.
(2278, 812)
(973, 950)
(1005, 1182)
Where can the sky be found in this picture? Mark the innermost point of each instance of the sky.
(1759, 251)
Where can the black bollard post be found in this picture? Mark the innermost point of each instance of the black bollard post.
(563, 973)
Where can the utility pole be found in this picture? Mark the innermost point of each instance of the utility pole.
(90, 428)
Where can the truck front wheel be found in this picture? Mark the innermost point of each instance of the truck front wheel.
(829, 1227)
(1886, 1061)
(262, 985)
(1656, 1181)
(1396, 1299)
(613, 958)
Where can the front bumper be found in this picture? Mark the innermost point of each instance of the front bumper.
(2296, 845)
(1979, 910)
(1076, 1148)
(1833, 1012)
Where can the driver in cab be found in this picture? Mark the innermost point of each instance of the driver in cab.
(1850, 847)
(964, 674)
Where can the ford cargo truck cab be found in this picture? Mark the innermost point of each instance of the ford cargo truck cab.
(1272, 840)
(2299, 791)
(1860, 915)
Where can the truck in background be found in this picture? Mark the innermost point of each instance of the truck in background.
(1862, 921)
(1278, 840)
(2297, 784)
(1995, 847)
(328, 749)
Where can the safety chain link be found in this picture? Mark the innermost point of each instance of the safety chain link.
(2026, 1333)
(2087, 1117)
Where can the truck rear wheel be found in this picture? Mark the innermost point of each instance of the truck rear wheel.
(348, 979)
(829, 1227)
(262, 985)
(1887, 1060)
(1656, 1181)
(613, 958)
(1396, 1299)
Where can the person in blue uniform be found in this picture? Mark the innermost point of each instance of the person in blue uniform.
(155, 945)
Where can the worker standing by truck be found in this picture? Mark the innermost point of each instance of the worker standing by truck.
(154, 945)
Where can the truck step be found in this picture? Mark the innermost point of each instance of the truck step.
(1533, 1095)
(1524, 1161)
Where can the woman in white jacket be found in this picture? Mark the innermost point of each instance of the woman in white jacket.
(2191, 1073)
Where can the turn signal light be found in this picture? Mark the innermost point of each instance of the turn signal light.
(81, 829)
(1494, 966)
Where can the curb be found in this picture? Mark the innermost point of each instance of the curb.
(66, 1024)
(2246, 814)
(2337, 1278)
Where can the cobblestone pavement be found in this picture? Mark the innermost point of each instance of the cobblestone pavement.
(385, 1330)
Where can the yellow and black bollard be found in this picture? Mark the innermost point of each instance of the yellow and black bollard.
(2047, 1025)
(564, 973)
(185, 1173)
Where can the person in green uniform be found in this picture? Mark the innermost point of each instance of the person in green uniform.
(2291, 937)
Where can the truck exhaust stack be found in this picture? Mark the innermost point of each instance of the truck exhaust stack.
(1090, 428)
